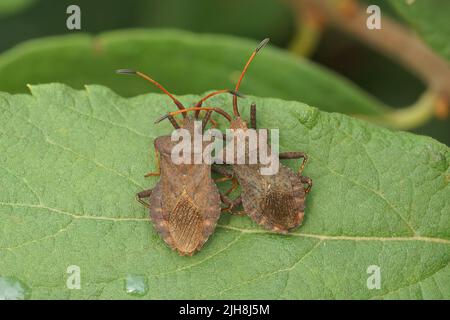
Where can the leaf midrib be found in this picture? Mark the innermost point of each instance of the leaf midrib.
(323, 237)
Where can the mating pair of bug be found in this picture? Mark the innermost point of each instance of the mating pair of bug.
(185, 204)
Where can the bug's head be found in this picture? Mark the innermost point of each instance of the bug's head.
(238, 123)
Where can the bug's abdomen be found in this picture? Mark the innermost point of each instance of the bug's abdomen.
(185, 225)
(281, 210)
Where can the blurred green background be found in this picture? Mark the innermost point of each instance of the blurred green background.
(369, 75)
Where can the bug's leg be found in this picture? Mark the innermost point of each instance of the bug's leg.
(253, 116)
(207, 118)
(227, 201)
(158, 166)
(234, 186)
(230, 203)
(308, 181)
(223, 171)
(142, 195)
(238, 213)
(228, 175)
(223, 179)
(214, 123)
(295, 155)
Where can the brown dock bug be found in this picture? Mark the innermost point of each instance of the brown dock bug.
(276, 201)
(185, 203)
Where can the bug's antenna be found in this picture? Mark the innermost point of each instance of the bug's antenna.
(218, 110)
(259, 47)
(171, 119)
(146, 77)
(200, 102)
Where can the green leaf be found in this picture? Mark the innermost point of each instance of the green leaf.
(184, 62)
(8, 7)
(274, 19)
(72, 162)
(430, 19)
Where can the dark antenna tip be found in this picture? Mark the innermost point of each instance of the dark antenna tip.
(161, 118)
(236, 93)
(262, 44)
(126, 71)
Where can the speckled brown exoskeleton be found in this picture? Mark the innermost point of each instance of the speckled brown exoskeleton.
(185, 203)
(276, 201)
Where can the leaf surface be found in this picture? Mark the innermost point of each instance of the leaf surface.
(72, 161)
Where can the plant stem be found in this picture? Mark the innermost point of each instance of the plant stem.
(310, 25)
(409, 117)
(397, 42)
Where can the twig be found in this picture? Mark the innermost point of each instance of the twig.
(393, 40)
(407, 118)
